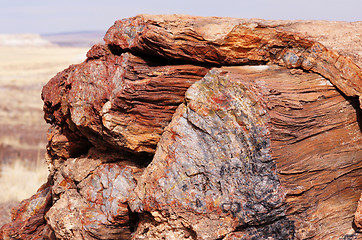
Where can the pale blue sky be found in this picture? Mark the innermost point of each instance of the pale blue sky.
(50, 16)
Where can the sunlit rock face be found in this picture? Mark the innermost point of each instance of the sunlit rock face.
(213, 167)
(182, 127)
(117, 100)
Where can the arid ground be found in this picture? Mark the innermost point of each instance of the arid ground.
(23, 72)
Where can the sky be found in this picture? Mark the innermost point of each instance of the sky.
(57, 16)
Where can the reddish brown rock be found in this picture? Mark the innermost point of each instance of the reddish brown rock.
(213, 163)
(65, 143)
(281, 229)
(91, 201)
(119, 101)
(242, 120)
(342, 37)
(28, 220)
(228, 41)
(261, 152)
(358, 215)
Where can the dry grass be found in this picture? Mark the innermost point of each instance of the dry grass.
(20, 180)
(26, 65)
(23, 72)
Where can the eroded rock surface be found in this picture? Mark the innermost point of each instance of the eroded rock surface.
(116, 101)
(212, 167)
(232, 42)
(93, 204)
(161, 134)
(358, 215)
(28, 220)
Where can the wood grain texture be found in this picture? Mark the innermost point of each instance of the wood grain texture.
(238, 124)
(228, 41)
(316, 143)
(117, 101)
(147, 142)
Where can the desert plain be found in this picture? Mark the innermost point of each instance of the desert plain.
(24, 70)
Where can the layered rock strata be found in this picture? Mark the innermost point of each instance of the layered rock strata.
(232, 42)
(183, 127)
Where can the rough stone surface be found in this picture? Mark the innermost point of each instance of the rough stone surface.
(91, 202)
(162, 134)
(232, 42)
(342, 37)
(358, 215)
(214, 161)
(28, 217)
(301, 146)
(119, 101)
(280, 229)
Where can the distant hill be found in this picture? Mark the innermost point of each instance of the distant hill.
(23, 40)
(75, 39)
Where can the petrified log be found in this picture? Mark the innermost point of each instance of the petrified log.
(28, 218)
(161, 134)
(123, 101)
(92, 200)
(230, 42)
(203, 174)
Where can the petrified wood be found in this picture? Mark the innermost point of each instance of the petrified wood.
(358, 214)
(122, 101)
(229, 41)
(201, 169)
(183, 127)
(28, 220)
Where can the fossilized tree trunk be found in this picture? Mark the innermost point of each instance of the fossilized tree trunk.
(296, 128)
(201, 128)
